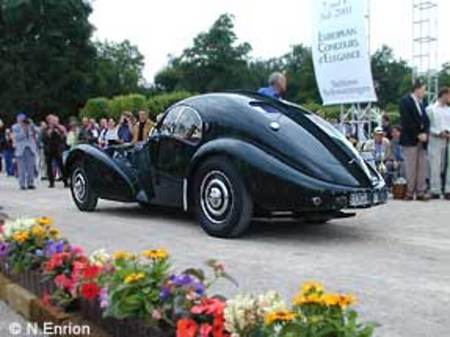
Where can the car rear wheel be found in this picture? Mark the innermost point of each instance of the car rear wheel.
(222, 202)
(82, 193)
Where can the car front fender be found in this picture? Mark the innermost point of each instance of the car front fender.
(109, 178)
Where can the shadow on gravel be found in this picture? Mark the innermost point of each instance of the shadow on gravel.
(144, 212)
(260, 230)
(292, 230)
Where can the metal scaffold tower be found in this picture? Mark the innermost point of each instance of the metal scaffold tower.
(425, 52)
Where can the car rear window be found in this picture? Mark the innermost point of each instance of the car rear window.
(264, 107)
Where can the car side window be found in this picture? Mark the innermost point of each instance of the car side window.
(183, 122)
(188, 125)
(168, 125)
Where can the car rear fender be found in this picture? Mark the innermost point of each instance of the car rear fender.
(253, 162)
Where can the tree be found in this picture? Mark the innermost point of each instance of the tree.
(117, 69)
(299, 69)
(171, 77)
(392, 77)
(214, 62)
(444, 75)
(45, 56)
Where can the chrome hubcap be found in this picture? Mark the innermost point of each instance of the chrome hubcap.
(79, 187)
(216, 196)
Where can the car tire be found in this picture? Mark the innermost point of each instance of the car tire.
(82, 194)
(222, 202)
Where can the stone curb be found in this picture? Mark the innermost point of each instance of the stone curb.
(4, 283)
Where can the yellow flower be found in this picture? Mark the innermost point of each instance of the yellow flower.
(134, 277)
(325, 299)
(156, 254)
(38, 231)
(279, 316)
(331, 300)
(54, 232)
(121, 255)
(301, 299)
(312, 286)
(44, 221)
(21, 236)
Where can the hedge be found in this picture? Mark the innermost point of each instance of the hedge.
(101, 107)
(96, 108)
(160, 103)
(133, 103)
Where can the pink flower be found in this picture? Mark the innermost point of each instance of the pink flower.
(205, 330)
(64, 282)
(219, 266)
(46, 299)
(156, 315)
(76, 250)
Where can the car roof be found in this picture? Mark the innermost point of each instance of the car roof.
(237, 101)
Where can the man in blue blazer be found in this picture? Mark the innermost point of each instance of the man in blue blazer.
(25, 143)
(414, 140)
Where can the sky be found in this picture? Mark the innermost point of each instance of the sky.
(163, 27)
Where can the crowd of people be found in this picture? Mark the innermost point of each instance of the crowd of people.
(415, 151)
(30, 152)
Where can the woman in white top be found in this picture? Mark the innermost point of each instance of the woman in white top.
(111, 135)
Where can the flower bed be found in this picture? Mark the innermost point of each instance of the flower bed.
(129, 294)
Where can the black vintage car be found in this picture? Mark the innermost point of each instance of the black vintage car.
(228, 157)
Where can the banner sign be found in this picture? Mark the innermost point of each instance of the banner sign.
(341, 52)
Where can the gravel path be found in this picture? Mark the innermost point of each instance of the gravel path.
(395, 258)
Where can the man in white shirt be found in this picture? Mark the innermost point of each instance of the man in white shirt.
(439, 114)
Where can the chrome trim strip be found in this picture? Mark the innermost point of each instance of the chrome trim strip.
(185, 201)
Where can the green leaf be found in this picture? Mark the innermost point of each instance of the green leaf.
(197, 273)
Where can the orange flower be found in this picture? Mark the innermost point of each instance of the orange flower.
(186, 328)
(346, 300)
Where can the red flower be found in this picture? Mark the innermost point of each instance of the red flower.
(205, 330)
(209, 306)
(91, 272)
(90, 291)
(65, 255)
(55, 261)
(186, 328)
(64, 282)
(82, 259)
(218, 329)
(78, 267)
